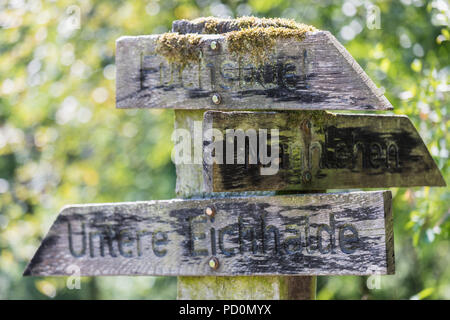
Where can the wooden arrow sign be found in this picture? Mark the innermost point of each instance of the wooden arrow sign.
(335, 234)
(314, 150)
(315, 73)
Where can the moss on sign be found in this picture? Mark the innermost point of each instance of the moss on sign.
(259, 42)
(213, 25)
(181, 49)
(255, 37)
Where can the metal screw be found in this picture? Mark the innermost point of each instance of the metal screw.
(307, 177)
(216, 98)
(308, 124)
(214, 45)
(210, 211)
(213, 263)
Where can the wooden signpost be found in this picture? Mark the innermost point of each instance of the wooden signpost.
(328, 234)
(316, 73)
(318, 150)
(256, 245)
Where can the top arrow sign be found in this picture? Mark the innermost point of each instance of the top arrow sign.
(273, 64)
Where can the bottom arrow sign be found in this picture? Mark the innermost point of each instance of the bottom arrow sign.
(310, 234)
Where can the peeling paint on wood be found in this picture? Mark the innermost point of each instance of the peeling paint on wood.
(315, 73)
(311, 234)
(318, 150)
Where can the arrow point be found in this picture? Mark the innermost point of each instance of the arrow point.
(27, 271)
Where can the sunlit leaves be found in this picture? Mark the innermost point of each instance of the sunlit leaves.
(62, 140)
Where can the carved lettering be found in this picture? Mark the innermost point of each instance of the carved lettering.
(231, 74)
(244, 236)
(71, 240)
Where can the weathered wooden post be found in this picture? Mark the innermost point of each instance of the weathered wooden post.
(252, 223)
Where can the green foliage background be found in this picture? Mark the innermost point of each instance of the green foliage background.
(62, 141)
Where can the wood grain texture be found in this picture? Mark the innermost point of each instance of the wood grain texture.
(320, 150)
(189, 181)
(311, 234)
(316, 73)
(248, 288)
(189, 26)
(189, 184)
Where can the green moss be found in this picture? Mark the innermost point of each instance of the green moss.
(259, 42)
(211, 23)
(255, 37)
(319, 118)
(181, 49)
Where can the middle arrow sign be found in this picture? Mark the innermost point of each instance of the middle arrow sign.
(313, 150)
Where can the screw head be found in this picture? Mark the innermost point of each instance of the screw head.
(307, 176)
(210, 211)
(214, 45)
(213, 263)
(216, 98)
